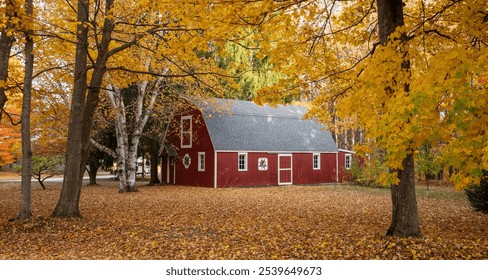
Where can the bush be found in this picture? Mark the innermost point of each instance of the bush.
(366, 172)
(478, 195)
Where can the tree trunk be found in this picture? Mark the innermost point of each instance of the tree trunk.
(82, 111)
(6, 41)
(26, 186)
(404, 219)
(127, 150)
(154, 180)
(404, 203)
(132, 165)
(68, 203)
(92, 172)
(93, 96)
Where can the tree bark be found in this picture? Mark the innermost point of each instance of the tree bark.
(6, 41)
(404, 220)
(26, 186)
(68, 203)
(93, 166)
(82, 111)
(127, 149)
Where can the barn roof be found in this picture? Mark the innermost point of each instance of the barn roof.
(236, 125)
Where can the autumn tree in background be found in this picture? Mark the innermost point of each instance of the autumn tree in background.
(252, 69)
(10, 136)
(9, 143)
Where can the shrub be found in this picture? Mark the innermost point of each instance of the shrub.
(366, 172)
(478, 195)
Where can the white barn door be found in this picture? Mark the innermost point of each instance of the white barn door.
(285, 171)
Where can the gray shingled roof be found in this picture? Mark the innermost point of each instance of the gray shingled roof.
(236, 125)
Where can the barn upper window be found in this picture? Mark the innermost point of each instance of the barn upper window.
(186, 131)
(316, 161)
(348, 161)
(242, 162)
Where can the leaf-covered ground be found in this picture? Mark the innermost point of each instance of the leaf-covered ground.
(299, 222)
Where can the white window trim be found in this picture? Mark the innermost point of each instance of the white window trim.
(200, 161)
(318, 161)
(245, 161)
(183, 118)
(346, 156)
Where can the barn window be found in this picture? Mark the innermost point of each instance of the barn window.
(186, 132)
(242, 162)
(316, 161)
(201, 161)
(348, 161)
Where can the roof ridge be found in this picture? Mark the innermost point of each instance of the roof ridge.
(272, 116)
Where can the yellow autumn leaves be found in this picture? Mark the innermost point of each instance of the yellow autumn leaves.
(440, 99)
(298, 222)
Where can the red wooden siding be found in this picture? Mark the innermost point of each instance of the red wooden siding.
(303, 172)
(229, 176)
(301, 164)
(191, 176)
(200, 143)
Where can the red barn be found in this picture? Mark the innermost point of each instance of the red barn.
(230, 143)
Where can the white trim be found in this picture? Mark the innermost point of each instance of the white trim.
(168, 162)
(346, 151)
(181, 131)
(318, 161)
(276, 152)
(285, 169)
(345, 161)
(215, 170)
(337, 167)
(174, 171)
(246, 160)
(199, 161)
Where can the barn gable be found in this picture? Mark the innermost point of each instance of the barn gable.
(236, 125)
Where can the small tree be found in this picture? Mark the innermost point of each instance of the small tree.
(478, 195)
(44, 167)
(426, 164)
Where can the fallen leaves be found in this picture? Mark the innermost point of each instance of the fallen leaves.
(299, 222)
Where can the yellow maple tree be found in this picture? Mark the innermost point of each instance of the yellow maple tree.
(333, 50)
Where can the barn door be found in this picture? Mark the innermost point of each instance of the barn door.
(285, 172)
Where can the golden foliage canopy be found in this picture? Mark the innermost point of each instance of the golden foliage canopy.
(331, 52)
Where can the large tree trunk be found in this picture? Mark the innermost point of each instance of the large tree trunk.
(404, 218)
(82, 111)
(68, 203)
(404, 203)
(6, 41)
(25, 190)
